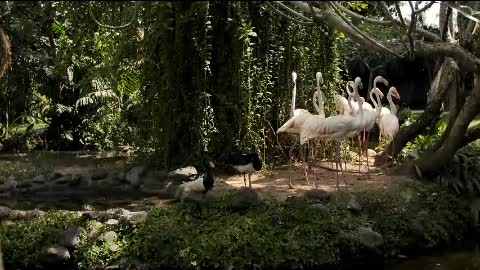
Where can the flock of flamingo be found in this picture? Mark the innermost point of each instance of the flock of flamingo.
(353, 118)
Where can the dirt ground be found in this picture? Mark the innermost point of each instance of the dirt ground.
(275, 182)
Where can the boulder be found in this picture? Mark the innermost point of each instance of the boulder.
(70, 238)
(56, 255)
(134, 176)
(112, 221)
(101, 174)
(371, 153)
(186, 172)
(64, 180)
(318, 194)
(4, 212)
(39, 180)
(54, 176)
(353, 205)
(244, 198)
(369, 238)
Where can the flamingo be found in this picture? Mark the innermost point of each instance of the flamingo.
(369, 119)
(388, 123)
(333, 127)
(392, 91)
(297, 117)
(319, 107)
(341, 103)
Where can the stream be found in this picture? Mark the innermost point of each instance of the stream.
(456, 260)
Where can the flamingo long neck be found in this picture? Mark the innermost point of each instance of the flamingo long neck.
(393, 108)
(359, 101)
(375, 103)
(348, 89)
(294, 93)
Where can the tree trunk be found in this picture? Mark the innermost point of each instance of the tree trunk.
(183, 140)
(431, 163)
(439, 88)
(225, 98)
(1, 260)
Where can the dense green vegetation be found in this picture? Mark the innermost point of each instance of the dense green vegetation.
(410, 216)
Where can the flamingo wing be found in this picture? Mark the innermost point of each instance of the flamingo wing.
(293, 124)
(389, 125)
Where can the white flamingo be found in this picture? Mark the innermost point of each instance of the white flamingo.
(388, 123)
(392, 91)
(333, 127)
(318, 103)
(369, 120)
(297, 117)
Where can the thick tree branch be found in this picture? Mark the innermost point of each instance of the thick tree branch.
(464, 58)
(361, 32)
(439, 88)
(410, 31)
(114, 27)
(286, 16)
(293, 12)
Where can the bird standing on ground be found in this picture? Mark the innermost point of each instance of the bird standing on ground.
(333, 127)
(244, 162)
(201, 184)
(297, 117)
(389, 124)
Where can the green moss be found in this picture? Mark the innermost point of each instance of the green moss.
(273, 234)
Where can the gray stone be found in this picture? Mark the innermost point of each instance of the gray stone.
(186, 171)
(371, 153)
(134, 176)
(109, 236)
(369, 238)
(54, 176)
(39, 180)
(112, 221)
(76, 180)
(353, 205)
(318, 194)
(321, 208)
(70, 238)
(63, 180)
(101, 174)
(4, 212)
(24, 184)
(56, 255)
(120, 176)
(135, 217)
(244, 198)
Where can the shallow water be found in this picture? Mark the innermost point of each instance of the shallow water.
(460, 260)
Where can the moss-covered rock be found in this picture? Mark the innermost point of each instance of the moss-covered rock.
(270, 235)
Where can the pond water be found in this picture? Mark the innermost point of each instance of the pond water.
(459, 260)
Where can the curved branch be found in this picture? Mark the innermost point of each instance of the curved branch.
(293, 11)
(410, 29)
(114, 27)
(286, 16)
(361, 32)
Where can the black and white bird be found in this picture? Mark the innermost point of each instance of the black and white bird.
(201, 184)
(244, 162)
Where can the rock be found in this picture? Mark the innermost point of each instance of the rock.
(56, 255)
(39, 180)
(353, 205)
(63, 180)
(120, 176)
(4, 212)
(99, 175)
(135, 217)
(113, 247)
(371, 153)
(112, 221)
(318, 194)
(11, 183)
(70, 238)
(94, 228)
(24, 184)
(244, 199)
(109, 236)
(37, 212)
(321, 208)
(96, 215)
(54, 176)
(134, 176)
(187, 172)
(76, 180)
(369, 238)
